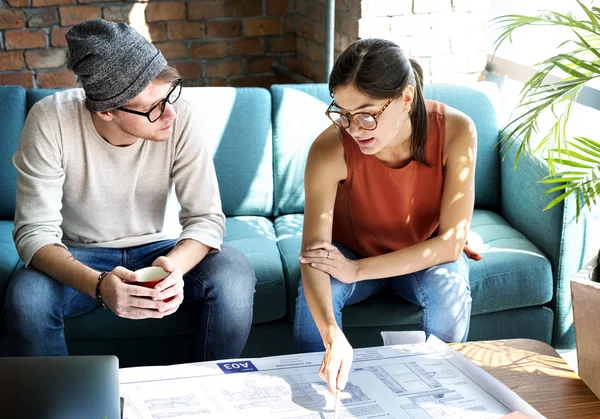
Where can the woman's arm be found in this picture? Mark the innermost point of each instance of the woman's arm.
(325, 168)
(455, 216)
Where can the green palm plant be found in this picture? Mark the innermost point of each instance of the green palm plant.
(573, 163)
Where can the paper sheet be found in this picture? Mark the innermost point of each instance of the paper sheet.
(422, 380)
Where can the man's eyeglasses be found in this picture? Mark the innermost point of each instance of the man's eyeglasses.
(365, 120)
(157, 110)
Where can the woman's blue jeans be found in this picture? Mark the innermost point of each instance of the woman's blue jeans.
(36, 305)
(442, 292)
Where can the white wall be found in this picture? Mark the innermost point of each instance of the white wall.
(447, 37)
(532, 45)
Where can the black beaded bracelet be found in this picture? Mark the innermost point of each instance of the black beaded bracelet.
(98, 295)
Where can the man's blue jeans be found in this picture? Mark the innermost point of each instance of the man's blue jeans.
(35, 304)
(442, 292)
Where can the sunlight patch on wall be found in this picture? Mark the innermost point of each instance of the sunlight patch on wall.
(137, 19)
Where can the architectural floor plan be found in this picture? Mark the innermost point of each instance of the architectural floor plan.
(420, 381)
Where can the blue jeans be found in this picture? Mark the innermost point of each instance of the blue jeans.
(442, 292)
(36, 305)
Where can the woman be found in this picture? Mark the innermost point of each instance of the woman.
(389, 199)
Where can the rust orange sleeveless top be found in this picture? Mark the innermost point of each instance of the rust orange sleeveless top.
(379, 209)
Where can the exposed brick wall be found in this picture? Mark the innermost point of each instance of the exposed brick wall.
(310, 33)
(211, 42)
(447, 37)
(235, 42)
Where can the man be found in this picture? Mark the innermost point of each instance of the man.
(95, 171)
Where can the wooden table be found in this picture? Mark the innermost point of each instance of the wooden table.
(534, 371)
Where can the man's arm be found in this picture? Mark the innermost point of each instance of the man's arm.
(187, 254)
(40, 180)
(37, 231)
(125, 300)
(56, 262)
(195, 179)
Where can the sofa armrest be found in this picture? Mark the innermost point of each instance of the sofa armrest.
(568, 243)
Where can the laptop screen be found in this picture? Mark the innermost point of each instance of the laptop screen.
(77, 387)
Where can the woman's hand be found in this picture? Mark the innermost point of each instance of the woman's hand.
(327, 258)
(337, 361)
(472, 254)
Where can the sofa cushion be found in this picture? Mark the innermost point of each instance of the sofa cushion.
(288, 229)
(12, 119)
(513, 273)
(101, 324)
(299, 117)
(9, 259)
(531, 322)
(255, 238)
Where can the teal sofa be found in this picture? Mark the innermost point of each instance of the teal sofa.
(259, 140)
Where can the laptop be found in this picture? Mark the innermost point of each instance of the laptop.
(69, 387)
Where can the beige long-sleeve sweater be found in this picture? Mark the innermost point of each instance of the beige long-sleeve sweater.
(76, 189)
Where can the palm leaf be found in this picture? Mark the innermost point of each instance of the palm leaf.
(590, 14)
(584, 184)
(577, 156)
(590, 144)
(573, 163)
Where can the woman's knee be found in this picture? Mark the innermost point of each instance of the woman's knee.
(447, 301)
(447, 283)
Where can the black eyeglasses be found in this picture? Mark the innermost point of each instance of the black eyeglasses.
(157, 110)
(365, 120)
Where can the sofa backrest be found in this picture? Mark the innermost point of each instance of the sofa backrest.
(260, 141)
(477, 105)
(236, 125)
(34, 95)
(12, 118)
(299, 117)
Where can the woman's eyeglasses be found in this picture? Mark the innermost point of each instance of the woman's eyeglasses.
(157, 110)
(365, 120)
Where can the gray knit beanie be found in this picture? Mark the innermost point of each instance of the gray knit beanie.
(113, 61)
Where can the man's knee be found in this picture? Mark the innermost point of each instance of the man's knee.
(30, 294)
(229, 274)
(236, 265)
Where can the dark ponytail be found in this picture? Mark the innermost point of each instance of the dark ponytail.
(418, 116)
(380, 69)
